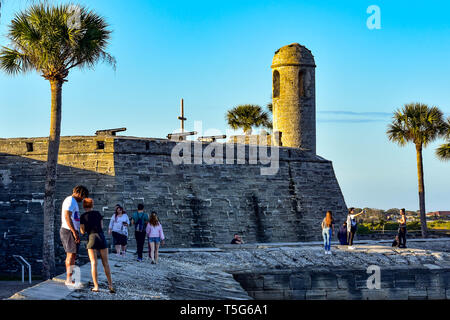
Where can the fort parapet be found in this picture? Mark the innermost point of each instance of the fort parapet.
(199, 205)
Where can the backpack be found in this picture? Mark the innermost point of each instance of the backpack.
(140, 225)
(395, 242)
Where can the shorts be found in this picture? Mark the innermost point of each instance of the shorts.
(119, 239)
(96, 241)
(154, 239)
(68, 241)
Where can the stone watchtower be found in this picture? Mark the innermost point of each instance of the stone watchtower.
(294, 97)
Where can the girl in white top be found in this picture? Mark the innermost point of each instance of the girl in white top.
(118, 227)
(351, 226)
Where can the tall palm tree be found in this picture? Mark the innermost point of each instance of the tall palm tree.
(443, 152)
(51, 41)
(247, 116)
(419, 124)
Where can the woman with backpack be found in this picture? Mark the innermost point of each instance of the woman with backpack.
(118, 227)
(327, 231)
(140, 220)
(352, 226)
(155, 237)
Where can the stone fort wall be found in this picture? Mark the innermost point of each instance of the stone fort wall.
(199, 205)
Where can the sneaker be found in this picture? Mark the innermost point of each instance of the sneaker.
(351, 248)
(153, 262)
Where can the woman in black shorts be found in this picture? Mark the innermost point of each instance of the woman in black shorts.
(91, 222)
(118, 227)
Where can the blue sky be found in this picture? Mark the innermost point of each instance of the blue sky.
(217, 54)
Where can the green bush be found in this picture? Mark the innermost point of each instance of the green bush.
(363, 228)
(391, 226)
(439, 224)
(415, 225)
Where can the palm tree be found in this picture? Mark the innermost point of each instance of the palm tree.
(247, 116)
(443, 152)
(51, 41)
(419, 124)
(269, 124)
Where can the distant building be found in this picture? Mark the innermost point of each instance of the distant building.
(439, 214)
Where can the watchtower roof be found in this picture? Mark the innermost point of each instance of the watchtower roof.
(293, 54)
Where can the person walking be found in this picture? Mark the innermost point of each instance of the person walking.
(91, 222)
(352, 226)
(402, 229)
(155, 237)
(140, 220)
(70, 226)
(327, 231)
(118, 227)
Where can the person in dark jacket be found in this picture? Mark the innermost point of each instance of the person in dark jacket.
(237, 239)
(342, 234)
(402, 229)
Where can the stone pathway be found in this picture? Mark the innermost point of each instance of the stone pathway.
(207, 273)
(8, 288)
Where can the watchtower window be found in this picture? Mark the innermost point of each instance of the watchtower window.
(276, 84)
(301, 83)
(29, 146)
(100, 145)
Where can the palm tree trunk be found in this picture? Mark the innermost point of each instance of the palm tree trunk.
(50, 182)
(423, 218)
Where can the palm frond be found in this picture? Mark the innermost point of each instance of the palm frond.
(416, 123)
(13, 62)
(52, 44)
(443, 152)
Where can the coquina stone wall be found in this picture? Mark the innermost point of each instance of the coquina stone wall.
(199, 205)
(396, 283)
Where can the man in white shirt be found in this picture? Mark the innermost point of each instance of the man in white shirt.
(70, 226)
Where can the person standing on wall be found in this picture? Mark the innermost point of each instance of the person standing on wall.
(70, 226)
(118, 227)
(155, 237)
(327, 231)
(402, 229)
(140, 220)
(352, 226)
(342, 234)
(91, 222)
